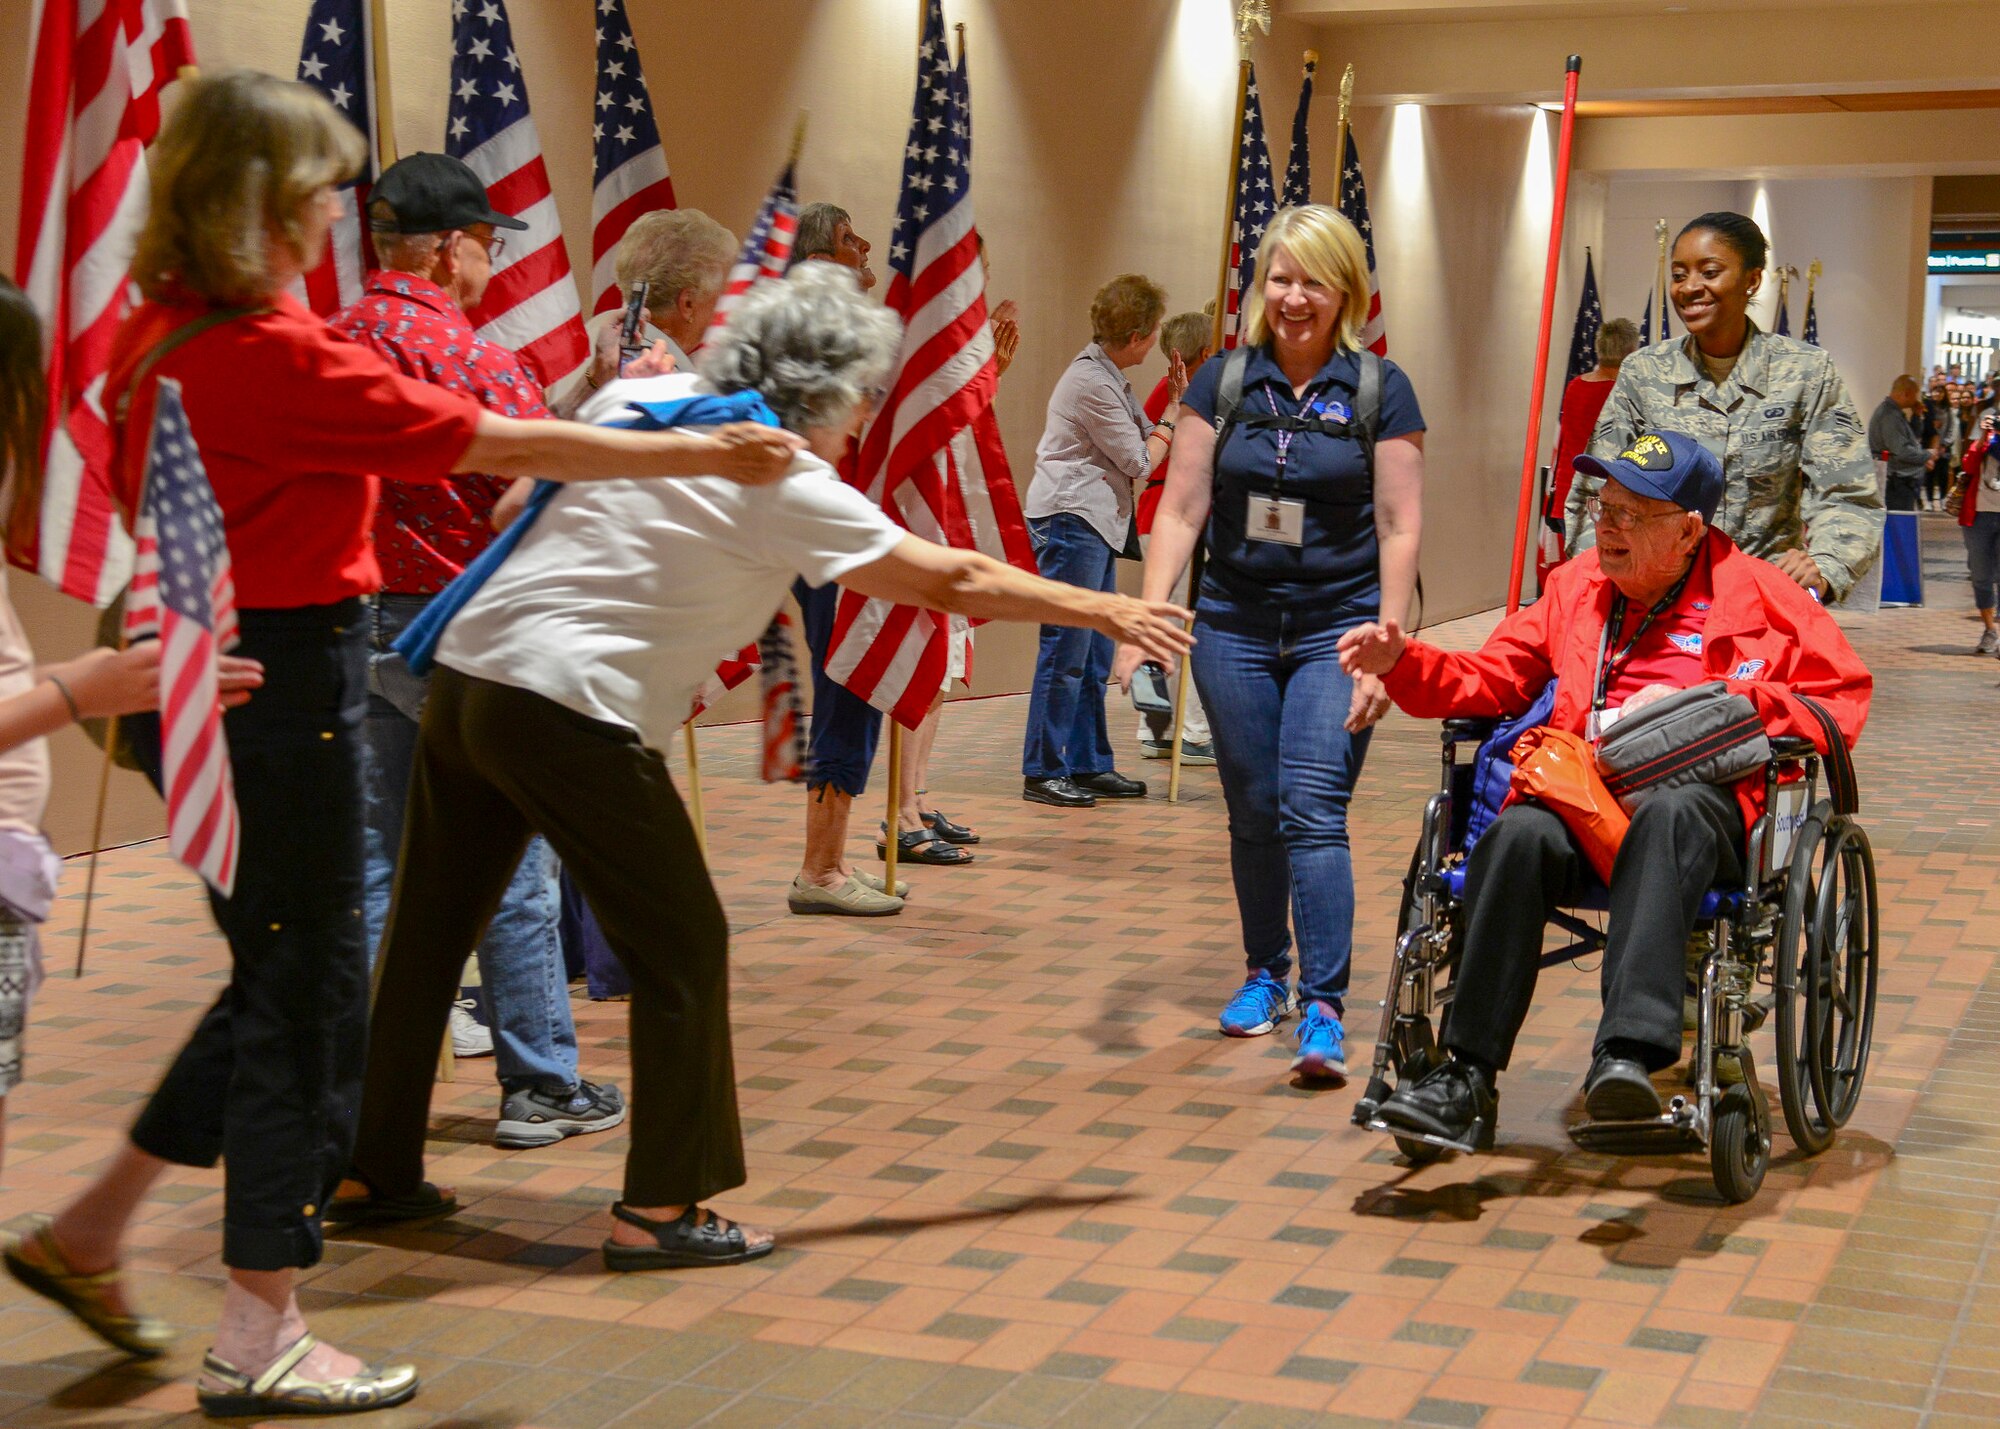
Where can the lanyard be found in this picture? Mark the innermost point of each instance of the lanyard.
(1608, 668)
(1286, 438)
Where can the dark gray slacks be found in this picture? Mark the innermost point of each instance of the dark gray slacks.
(1683, 842)
(495, 763)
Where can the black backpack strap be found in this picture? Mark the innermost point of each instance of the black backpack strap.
(1229, 394)
(1841, 785)
(1368, 403)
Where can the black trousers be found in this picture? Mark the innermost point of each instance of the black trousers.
(1905, 492)
(1683, 841)
(270, 1080)
(494, 764)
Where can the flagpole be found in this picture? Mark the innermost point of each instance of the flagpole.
(694, 791)
(1248, 14)
(385, 98)
(1572, 72)
(959, 30)
(1340, 142)
(1660, 237)
(97, 829)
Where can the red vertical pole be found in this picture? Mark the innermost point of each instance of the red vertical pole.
(1525, 510)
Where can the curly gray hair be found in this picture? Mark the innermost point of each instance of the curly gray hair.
(809, 343)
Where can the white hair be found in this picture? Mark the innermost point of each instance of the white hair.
(809, 343)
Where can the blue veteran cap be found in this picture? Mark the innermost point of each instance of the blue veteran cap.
(1666, 465)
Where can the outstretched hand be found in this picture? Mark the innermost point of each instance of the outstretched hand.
(1145, 630)
(1372, 649)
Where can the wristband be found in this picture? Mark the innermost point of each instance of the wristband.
(1163, 423)
(75, 714)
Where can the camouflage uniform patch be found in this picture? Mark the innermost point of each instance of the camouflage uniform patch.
(1795, 460)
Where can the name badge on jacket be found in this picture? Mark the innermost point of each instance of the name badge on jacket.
(1272, 518)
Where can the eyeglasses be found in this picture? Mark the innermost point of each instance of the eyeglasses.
(494, 243)
(1622, 518)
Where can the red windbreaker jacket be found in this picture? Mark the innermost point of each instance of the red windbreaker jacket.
(1765, 637)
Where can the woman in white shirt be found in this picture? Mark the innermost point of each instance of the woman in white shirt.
(564, 677)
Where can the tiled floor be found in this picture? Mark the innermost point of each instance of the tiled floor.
(1019, 1180)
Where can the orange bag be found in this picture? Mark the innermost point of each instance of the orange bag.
(1557, 770)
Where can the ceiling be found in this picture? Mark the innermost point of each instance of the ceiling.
(1983, 298)
(1405, 12)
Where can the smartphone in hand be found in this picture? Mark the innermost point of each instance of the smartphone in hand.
(633, 324)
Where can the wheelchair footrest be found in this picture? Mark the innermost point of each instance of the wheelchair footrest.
(1480, 1138)
(1674, 1132)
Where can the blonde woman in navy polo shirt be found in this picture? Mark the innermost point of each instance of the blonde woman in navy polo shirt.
(1309, 535)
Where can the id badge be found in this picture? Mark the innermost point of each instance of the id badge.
(1272, 518)
(1599, 722)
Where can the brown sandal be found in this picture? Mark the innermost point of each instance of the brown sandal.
(37, 1262)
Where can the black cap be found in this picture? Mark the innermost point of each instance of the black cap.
(429, 193)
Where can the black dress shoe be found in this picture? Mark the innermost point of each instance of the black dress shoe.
(1455, 1102)
(1058, 793)
(1111, 785)
(1618, 1089)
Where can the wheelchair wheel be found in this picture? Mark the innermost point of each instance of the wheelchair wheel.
(1792, 977)
(1739, 1146)
(1843, 954)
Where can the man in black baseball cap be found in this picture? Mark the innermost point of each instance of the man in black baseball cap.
(431, 193)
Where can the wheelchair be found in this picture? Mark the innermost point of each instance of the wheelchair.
(1800, 939)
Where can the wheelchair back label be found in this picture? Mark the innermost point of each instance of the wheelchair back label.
(1790, 804)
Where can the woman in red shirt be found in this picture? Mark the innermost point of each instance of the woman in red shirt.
(295, 424)
(1582, 401)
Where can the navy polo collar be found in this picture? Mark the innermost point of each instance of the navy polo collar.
(1262, 369)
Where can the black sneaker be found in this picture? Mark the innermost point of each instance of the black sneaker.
(1618, 1089)
(1456, 1102)
(1112, 785)
(542, 1116)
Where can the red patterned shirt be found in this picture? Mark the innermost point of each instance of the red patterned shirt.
(425, 535)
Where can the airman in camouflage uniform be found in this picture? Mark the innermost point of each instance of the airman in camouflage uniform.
(1794, 451)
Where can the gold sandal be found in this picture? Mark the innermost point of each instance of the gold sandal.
(37, 1262)
(280, 1390)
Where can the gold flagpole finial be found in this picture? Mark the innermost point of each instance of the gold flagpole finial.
(1312, 59)
(798, 138)
(1347, 87)
(1251, 15)
(1813, 270)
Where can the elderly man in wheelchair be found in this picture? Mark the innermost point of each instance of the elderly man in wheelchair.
(1770, 884)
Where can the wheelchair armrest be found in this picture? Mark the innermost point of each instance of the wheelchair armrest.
(1461, 731)
(1792, 746)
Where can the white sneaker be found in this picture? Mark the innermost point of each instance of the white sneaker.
(469, 1036)
(1989, 644)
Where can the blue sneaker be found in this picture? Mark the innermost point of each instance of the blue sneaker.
(1258, 1007)
(1322, 1045)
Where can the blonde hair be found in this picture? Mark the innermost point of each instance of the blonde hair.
(1128, 306)
(675, 249)
(1330, 250)
(239, 160)
(1186, 334)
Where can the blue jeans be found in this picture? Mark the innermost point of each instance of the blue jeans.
(1273, 687)
(1067, 736)
(841, 740)
(520, 955)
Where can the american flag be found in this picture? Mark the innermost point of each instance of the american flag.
(530, 308)
(184, 596)
(1810, 332)
(767, 252)
(1354, 204)
(1298, 165)
(335, 58)
(1256, 204)
(933, 457)
(628, 165)
(1646, 322)
(93, 106)
(1784, 324)
(1589, 318)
